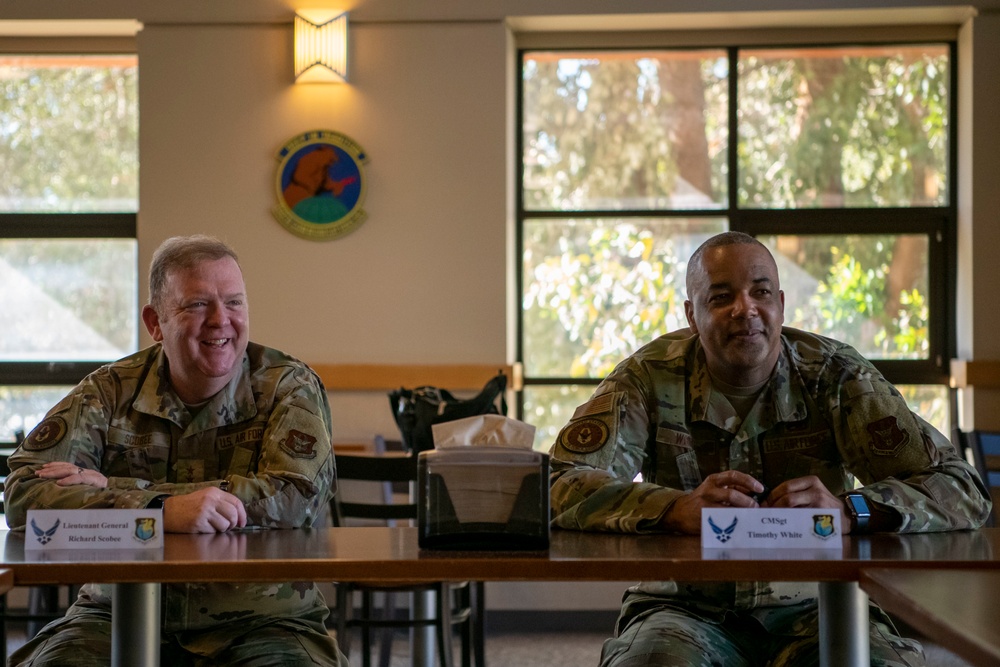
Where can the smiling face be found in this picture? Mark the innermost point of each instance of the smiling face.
(204, 325)
(736, 307)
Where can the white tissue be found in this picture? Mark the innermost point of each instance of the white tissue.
(484, 431)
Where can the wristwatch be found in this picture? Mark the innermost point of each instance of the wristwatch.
(857, 508)
(157, 502)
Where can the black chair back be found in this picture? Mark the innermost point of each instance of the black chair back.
(984, 446)
(384, 495)
(390, 469)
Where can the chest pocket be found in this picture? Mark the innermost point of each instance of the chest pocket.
(239, 450)
(797, 452)
(676, 459)
(140, 455)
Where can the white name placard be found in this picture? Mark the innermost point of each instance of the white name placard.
(94, 529)
(764, 528)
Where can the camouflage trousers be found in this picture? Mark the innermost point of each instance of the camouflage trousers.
(83, 639)
(668, 635)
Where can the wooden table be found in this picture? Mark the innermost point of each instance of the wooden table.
(956, 608)
(392, 555)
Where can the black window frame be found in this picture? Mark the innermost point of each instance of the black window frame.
(939, 224)
(62, 225)
(59, 226)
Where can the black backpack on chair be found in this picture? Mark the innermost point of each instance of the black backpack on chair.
(416, 410)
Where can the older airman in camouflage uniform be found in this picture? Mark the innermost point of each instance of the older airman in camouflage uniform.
(220, 432)
(714, 415)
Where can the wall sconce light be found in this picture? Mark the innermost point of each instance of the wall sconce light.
(320, 46)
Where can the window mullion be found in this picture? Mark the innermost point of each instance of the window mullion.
(67, 225)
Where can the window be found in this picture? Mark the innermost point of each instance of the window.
(68, 202)
(838, 158)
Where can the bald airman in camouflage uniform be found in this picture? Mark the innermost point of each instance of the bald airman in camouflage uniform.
(740, 411)
(220, 432)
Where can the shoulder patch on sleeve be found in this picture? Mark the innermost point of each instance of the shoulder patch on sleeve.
(47, 434)
(586, 435)
(886, 437)
(597, 406)
(299, 445)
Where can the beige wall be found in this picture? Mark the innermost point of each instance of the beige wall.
(428, 277)
(979, 204)
(418, 281)
(422, 279)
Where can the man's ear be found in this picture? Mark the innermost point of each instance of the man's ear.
(689, 314)
(152, 321)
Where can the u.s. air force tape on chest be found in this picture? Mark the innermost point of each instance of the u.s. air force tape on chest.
(763, 528)
(94, 529)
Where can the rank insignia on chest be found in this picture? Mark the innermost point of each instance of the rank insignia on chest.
(190, 471)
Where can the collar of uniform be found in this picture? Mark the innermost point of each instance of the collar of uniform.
(783, 391)
(155, 396)
(234, 403)
(699, 385)
(786, 387)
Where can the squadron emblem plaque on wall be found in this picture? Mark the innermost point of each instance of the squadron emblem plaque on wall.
(321, 185)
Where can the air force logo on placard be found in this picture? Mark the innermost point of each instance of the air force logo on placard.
(823, 525)
(145, 529)
(723, 534)
(44, 535)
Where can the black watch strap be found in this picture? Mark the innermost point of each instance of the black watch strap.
(157, 502)
(860, 512)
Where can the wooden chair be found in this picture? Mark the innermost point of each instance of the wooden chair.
(457, 604)
(985, 449)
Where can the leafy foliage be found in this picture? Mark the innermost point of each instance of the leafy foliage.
(595, 290)
(69, 144)
(853, 297)
(860, 127)
(68, 135)
(649, 133)
(602, 132)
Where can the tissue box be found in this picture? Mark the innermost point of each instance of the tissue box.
(489, 498)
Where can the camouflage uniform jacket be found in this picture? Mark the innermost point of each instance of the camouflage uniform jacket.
(267, 433)
(826, 411)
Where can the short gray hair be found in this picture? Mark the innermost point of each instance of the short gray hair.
(182, 252)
